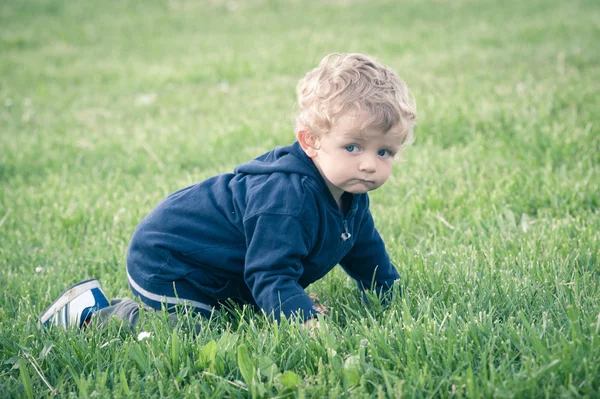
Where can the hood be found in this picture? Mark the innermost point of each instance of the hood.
(288, 159)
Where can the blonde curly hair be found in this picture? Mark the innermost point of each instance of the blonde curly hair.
(343, 84)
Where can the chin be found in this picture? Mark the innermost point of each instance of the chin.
(358, 191)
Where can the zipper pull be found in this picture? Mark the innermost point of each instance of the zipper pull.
(346, 234)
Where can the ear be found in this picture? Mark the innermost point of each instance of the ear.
(309, 142)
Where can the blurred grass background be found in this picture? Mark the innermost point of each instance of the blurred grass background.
(492, 220)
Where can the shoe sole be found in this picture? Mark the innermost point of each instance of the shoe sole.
(67, 296)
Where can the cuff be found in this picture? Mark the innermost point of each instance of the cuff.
(300, 306)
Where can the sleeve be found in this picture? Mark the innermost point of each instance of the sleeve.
(368, 262)
(276, 245)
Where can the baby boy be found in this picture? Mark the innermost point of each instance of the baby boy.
(262, 234)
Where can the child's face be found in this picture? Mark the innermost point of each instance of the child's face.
(354, 161)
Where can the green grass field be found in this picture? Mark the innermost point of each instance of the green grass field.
(493, 219)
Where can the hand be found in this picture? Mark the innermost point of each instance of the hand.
(312, 325)
(318, 305)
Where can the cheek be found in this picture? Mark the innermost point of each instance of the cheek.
(386, 169)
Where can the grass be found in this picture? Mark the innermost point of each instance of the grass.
(493, 220)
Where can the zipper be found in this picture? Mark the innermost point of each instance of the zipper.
(346, 234)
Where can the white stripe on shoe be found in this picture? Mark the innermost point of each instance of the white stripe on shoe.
(68, 296)
(167, 299)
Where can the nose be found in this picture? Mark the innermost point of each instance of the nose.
(367, 164)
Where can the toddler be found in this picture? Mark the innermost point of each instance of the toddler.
(262, 234)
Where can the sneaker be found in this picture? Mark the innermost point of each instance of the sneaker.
(75, 306)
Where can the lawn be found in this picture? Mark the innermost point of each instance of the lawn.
(492, 218)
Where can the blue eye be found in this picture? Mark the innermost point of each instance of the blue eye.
(383, 153)
(351, 148)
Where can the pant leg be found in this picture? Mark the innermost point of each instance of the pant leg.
(128, 312)
(124, 309)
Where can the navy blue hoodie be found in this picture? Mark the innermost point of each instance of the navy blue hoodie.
(260, 235)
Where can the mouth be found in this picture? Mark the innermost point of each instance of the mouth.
(358, 186)
(365, 183)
